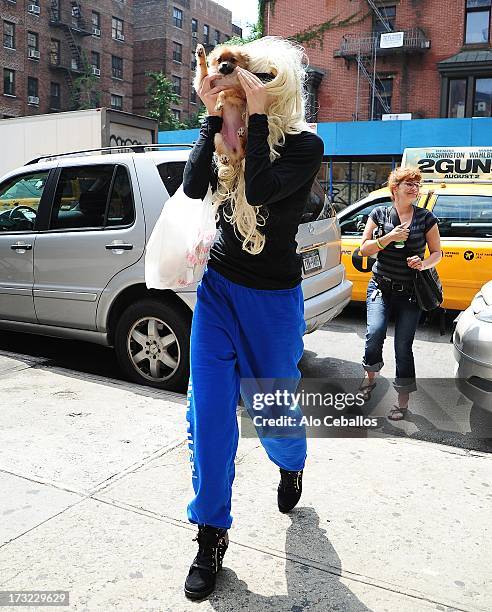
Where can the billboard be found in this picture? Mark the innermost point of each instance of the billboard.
(445, 163)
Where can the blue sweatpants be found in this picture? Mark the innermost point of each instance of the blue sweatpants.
(237, 333)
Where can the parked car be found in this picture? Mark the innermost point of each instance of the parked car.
(473, 352)
(72, 258)
(464, 208)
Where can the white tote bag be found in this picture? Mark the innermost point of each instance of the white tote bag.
(179, 246)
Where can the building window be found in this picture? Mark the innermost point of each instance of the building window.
(194, 28)
(116, 102)
(33, 45)
(206, 34)
(217, 37)
(55, 10)
(384, 87)
(9, 35)
(457, 98)
(482, 98)
(54, 52)
(117, 29)
(388, 13)
(9, 82)
(55, 96)
(33, 7)
(96, 63)
(177, 52)
(193, 61)
(193, 95)
(176, 113)
(117, 67)
(96, 23)
(176, 80)
(477, 21)
(32, 91)
(178, 17)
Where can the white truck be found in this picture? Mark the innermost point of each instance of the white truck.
(25, 138)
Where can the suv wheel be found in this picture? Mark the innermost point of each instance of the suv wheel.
(152, 344)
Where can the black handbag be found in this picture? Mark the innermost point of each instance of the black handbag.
(428, 289)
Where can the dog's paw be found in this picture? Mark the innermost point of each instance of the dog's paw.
(241, 132)
(223, 159)
(200, 51)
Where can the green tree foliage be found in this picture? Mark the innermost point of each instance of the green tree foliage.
(161, 96)
(85, 92)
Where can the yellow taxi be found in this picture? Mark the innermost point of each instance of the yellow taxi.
(457, 187)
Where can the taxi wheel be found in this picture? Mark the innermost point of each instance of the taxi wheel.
(481, 422)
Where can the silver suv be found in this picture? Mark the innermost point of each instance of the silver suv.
(73, 230)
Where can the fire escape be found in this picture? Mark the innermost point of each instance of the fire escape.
(74, 28)
(365, 49)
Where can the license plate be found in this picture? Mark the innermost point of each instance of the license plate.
(311, 261)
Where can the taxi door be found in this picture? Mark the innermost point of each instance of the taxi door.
(465, 225)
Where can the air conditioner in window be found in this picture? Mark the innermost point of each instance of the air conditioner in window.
(96, 32)
(75, 11)
(194, 35)
(33, 8)
(33, 100)
(96, 71)
(120, 36)
(33, 53)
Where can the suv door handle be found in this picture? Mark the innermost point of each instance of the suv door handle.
(21, 246)
(119, 246)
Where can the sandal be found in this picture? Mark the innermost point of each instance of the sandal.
(397, 413)
(366, 390)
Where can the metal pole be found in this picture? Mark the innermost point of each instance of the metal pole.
(331, 180)
(358, 83)
(374, 77)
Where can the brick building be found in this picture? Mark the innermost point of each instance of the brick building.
(49, 44)
(442, 69)
(165, 37)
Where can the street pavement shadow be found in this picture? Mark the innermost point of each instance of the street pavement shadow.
(312, 583)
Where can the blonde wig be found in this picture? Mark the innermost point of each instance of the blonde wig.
(286, 115)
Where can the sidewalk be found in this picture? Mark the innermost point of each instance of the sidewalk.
(95, 480)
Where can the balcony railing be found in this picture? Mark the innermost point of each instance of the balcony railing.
(414, 41)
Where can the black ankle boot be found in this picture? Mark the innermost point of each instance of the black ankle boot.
(212, 545)
(289, 490)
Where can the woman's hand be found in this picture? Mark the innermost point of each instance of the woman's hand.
(415, 263)
(400, 232)
(208, 94)
(256, 94)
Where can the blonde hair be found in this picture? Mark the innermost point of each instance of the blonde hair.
(286, 115)
(398, 175)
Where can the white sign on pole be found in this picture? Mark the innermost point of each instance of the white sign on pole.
(390, 40)
(396, 117)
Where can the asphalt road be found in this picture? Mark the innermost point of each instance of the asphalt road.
(438, 412)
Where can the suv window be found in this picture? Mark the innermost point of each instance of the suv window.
(87, 196)
(354, 224)
(19, 201)
(318, 206)
(171, 174)
(463, 216)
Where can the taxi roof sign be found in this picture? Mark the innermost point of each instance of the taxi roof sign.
(463, 164)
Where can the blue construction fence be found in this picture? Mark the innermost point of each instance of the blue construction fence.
(388, 138)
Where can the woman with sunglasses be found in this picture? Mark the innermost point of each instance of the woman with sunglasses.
(399, 236)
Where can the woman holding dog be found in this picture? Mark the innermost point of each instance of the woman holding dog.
(399, 236)
(248, 322)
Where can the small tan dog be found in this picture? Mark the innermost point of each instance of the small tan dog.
(230, 143)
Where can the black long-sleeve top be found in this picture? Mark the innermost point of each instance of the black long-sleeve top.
(280, 187)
